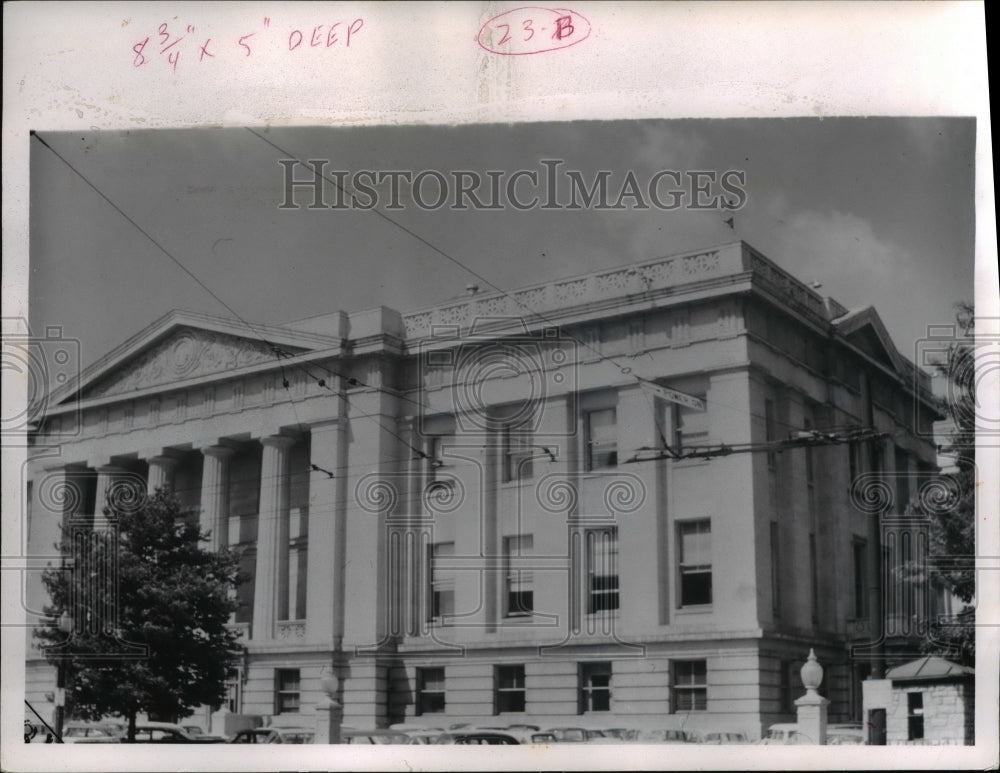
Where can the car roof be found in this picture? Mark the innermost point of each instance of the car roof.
(372, 731)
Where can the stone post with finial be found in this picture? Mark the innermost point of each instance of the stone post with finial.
(811, 708)
(329, 710)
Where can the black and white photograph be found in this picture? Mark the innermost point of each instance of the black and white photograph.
(505, 413)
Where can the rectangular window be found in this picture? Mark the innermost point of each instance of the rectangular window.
(602, 570)
(770, 432)
(785, 688)
(775, 569)
(690, 685)
(902, 480)
(695, 562)
(509, 689)
(520, 596)
(517, 453)
(234, 702)
(915, 715)
(245, 591)
(810, 468)
(430, 691)
(442, 602)
(595, 687)
(286, 698)
(690, 425)
(434, 449)
(601, 435)
(814, 578)
(860, 578)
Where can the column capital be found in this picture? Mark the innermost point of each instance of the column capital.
(218, 452)
(164, 461)
(325, 425)
(103, 466)
(277, 441)
(151, 453)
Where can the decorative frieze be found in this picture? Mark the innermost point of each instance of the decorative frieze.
(188, 353)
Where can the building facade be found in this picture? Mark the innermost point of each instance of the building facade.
(492, 508)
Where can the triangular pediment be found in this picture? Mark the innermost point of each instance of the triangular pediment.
(183, 354)
(183, 346)
(865, 330)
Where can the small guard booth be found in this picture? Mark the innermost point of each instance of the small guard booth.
(929, 701)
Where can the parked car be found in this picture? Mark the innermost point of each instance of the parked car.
(150, 732)
(720, 737)
(845, 735)
(621, 733)
(78, 732)
(418, 734)
(274, 735)
(355, 735)
(787, 733)
(522, 732)
(575, 734)
(664, 735)
(478, 737)
(201, 736)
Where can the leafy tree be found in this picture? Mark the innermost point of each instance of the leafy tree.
(156, 640)
(952, 520)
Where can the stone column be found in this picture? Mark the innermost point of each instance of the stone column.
(161, 473)
(106, 476)
(215, 494)
(324, 570)
(811, 708)
(272, 523)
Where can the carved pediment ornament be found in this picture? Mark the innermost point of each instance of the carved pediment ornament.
(188, 353)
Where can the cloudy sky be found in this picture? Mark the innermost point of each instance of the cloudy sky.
(880, 211)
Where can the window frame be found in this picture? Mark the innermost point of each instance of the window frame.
(609, 448)
(282, 691)
(787, 700)
(697, 426)
(775, 545)
(692, 688)
(915, 715)
(519, 578)
(813, 578)
(516, 453)
(439, 585)
(587, 690)
(859, 553)
(423, 693)
(518, 691)
(770, 432)
(602, 536)
(685, 569)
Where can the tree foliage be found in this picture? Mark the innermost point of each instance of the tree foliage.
(953, 527)
(149, 607)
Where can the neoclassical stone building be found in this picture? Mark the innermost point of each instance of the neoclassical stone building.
(489, 507)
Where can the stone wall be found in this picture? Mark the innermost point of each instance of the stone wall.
(948, 712)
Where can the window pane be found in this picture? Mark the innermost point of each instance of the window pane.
(602, 439)
(602, 571)
(520, 602)
(520, 582)
(595, 687)
(690, 692)
(430, 690)
(696, 543)
(442, 581)
(695, 562)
